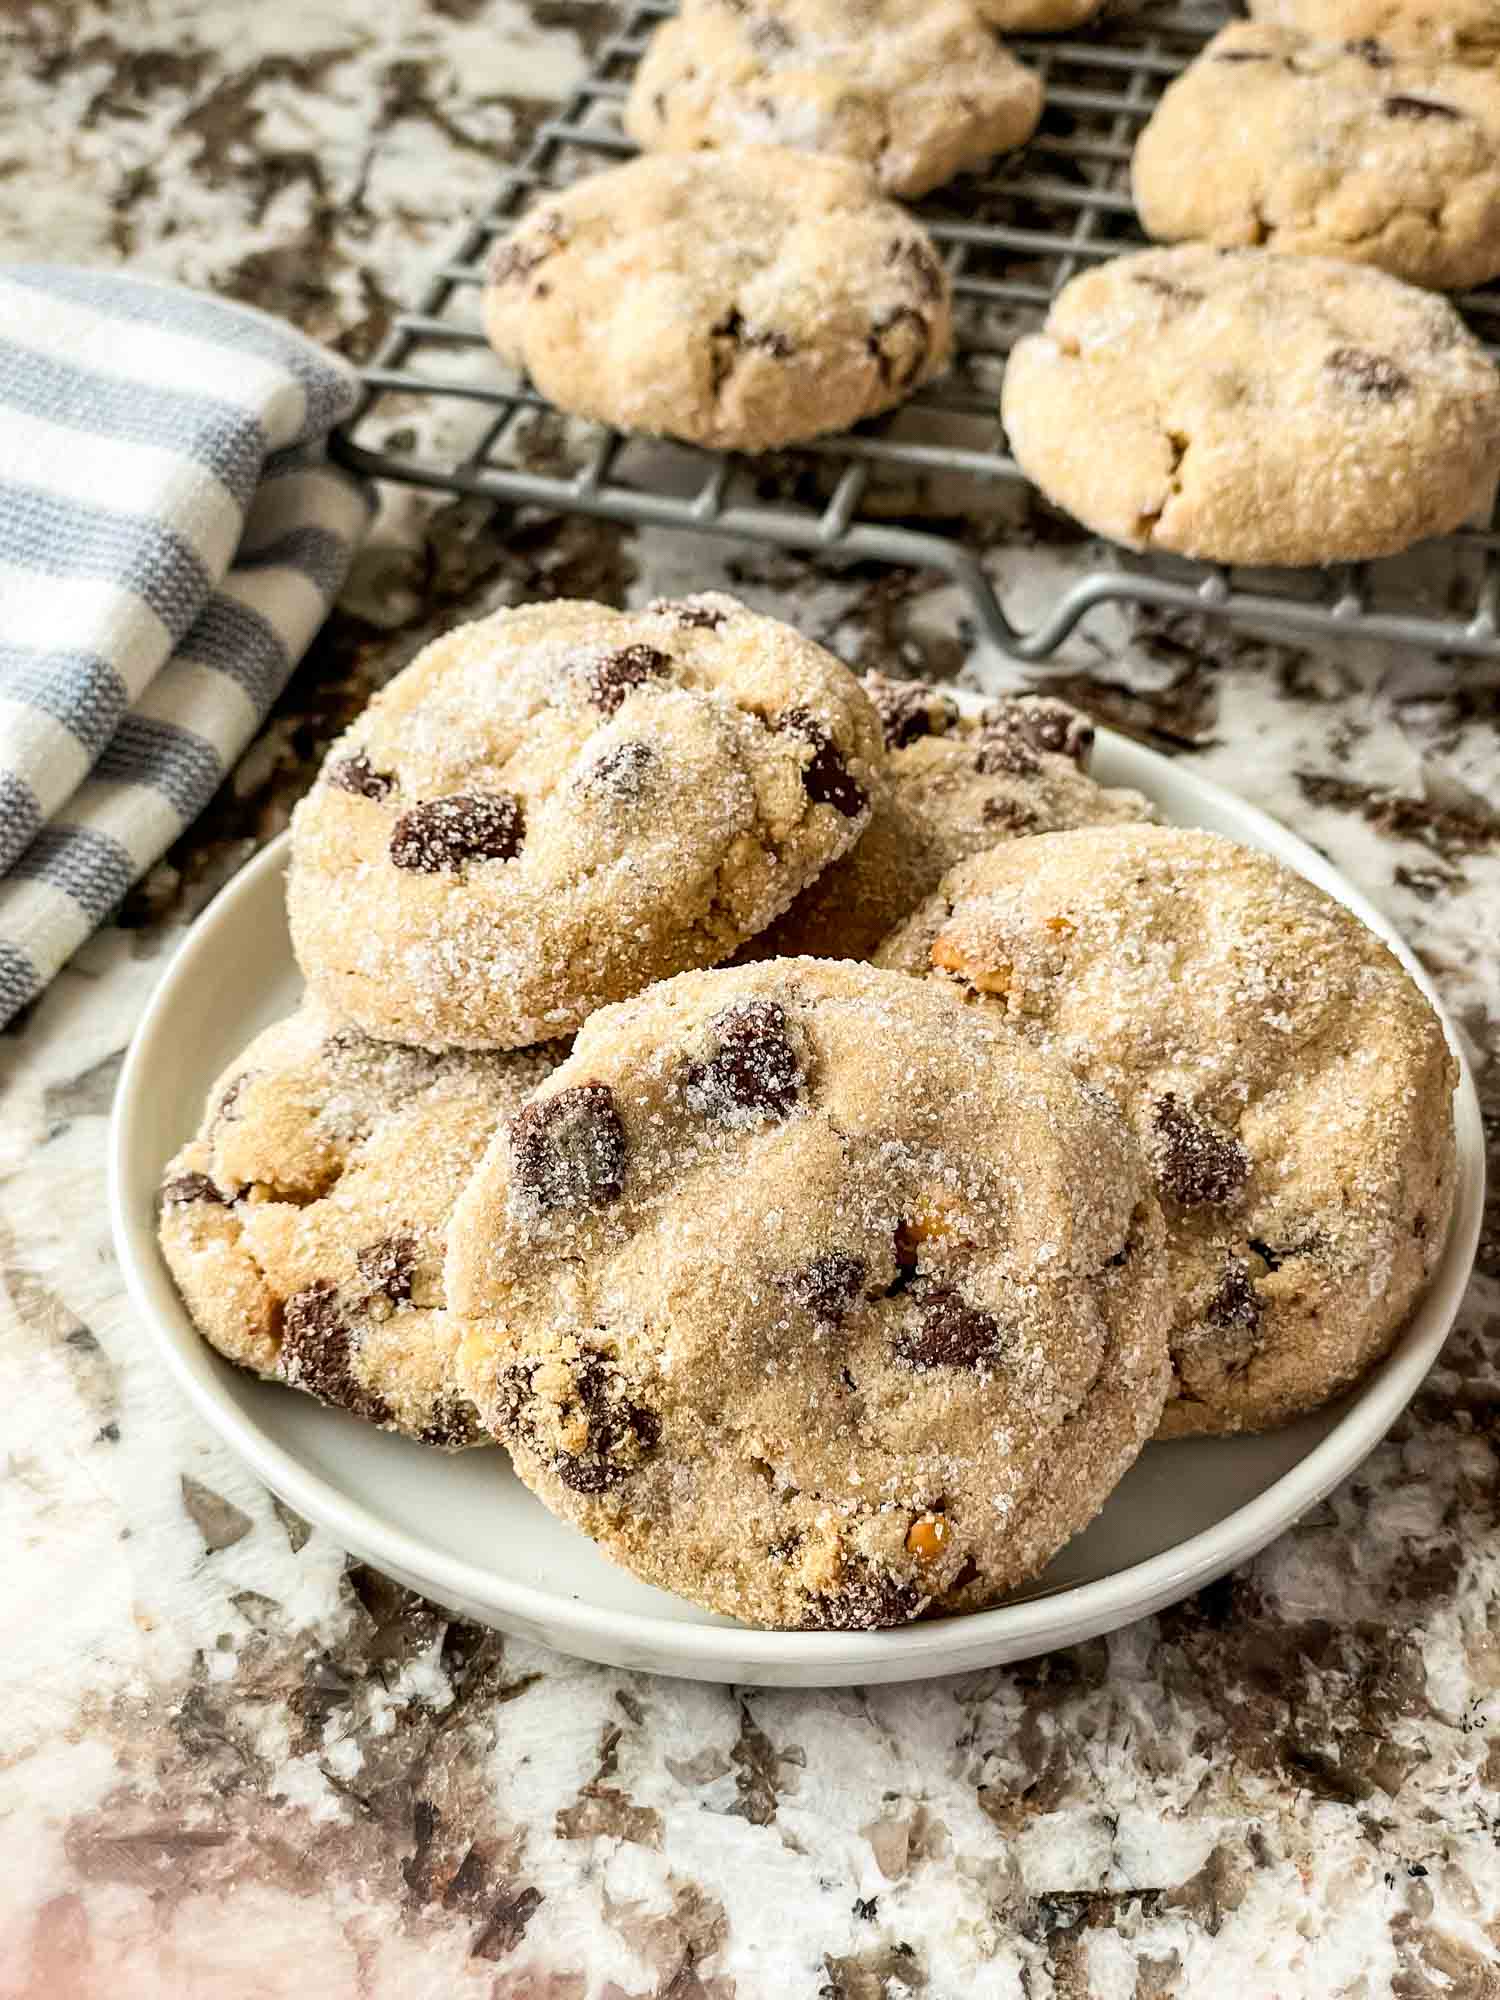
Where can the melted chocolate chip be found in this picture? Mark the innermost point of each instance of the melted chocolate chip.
(450, 1426)
(1371, 375)
(732, 336)
(611, 679)
(899, 341)
(1197, 1162)
(466, 826)
(1376, 54)
(828, 1286)
(389, 1266)
(1236, 1302)
(569, 1149)
(950, 1334)
(358, 775)
(621, 771)
(867, 1600)
(909, 710)
(188, 1188)
(1272, 1259)
(613, 1420)
(317, 1354)
(1402, 106)
(917, 261)
(826, 778)
(753, 1072)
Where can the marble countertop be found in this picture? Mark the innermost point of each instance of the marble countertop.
(235, 1766)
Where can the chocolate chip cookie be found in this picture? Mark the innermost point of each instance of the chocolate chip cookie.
(1348, 148)
(1290, 1085)
(916, 95)
(814, 1295)
(957, 782)
(744, 300)
(306, 1224)
(1466, 29)
(558, 804)
(1248, 408)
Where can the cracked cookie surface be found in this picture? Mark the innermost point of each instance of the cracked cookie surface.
(1350, 149)
(957, 782)
(1466, 29)
(915, 95)
(1245, 407)
(553, 806)
(745, 301)
(306, 1225)
(1288, 1082)
(814, 1295)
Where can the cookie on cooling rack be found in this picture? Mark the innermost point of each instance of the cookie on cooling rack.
(306, 1225)
(556, 805)
(814, 1295)
(1289, 1083)
(917, 95)
(956, 782)
(1340, 147)
(1468, 29)
(742, 300)
(1247, 408)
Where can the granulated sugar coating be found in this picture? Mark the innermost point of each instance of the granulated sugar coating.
(744, 300)
(1291, 1087)
(306, 1225)
(556, 805)
(815, 1295)
(956, 784)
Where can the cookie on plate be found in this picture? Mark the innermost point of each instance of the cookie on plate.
(814, 1295)
(1345, 148)
(742, 300)
(957, 781)
(1467, 29)
(1289, 1083)
(306, 1225)
(1249, 408)
(916, 95)
(556, 805)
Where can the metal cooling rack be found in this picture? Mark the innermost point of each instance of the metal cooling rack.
(440, 412)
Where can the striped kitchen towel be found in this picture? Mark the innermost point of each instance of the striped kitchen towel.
(171, 538)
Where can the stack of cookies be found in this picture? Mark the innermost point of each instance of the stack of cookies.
(820, 1133)
(1280, 390)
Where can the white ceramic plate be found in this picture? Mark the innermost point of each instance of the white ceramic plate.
(463, 1529)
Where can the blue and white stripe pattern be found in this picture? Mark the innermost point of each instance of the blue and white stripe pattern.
(171, 538)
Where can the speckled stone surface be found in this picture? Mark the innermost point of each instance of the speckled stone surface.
(234, 1767)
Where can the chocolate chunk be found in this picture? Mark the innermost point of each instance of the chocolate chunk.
(389, 1266)
(569, 1149)
(1376, 54)
(317, 1354)
(909, 710)
(900, 341)
(866, 1600)
(1402, 106)
(450, 1426)
(950, 1334)
(614, 1420)
(188, 1188)
(621, 771)
(826, 778)
(753, 1072)
(609, 680)
(1272, 1259)
(358, 775)
(1170, 288)
(693, 616)
(917, 261)
(732, 336)
(466, 826)
(1197, 1162)
(1005, 751)
(828, 1286)
(1047, 724)
(1236, 1303)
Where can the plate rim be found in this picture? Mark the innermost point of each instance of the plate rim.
(1005, 1632)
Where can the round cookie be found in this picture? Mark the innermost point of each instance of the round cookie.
(1291, 1086)
(1248, 408)
(556, 805)
(1343, 148)
(915, 95)
(742, 300)
(1466, 29)
(814, 1296)
(306, 1225)
(1037, 17)
(956, 783)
